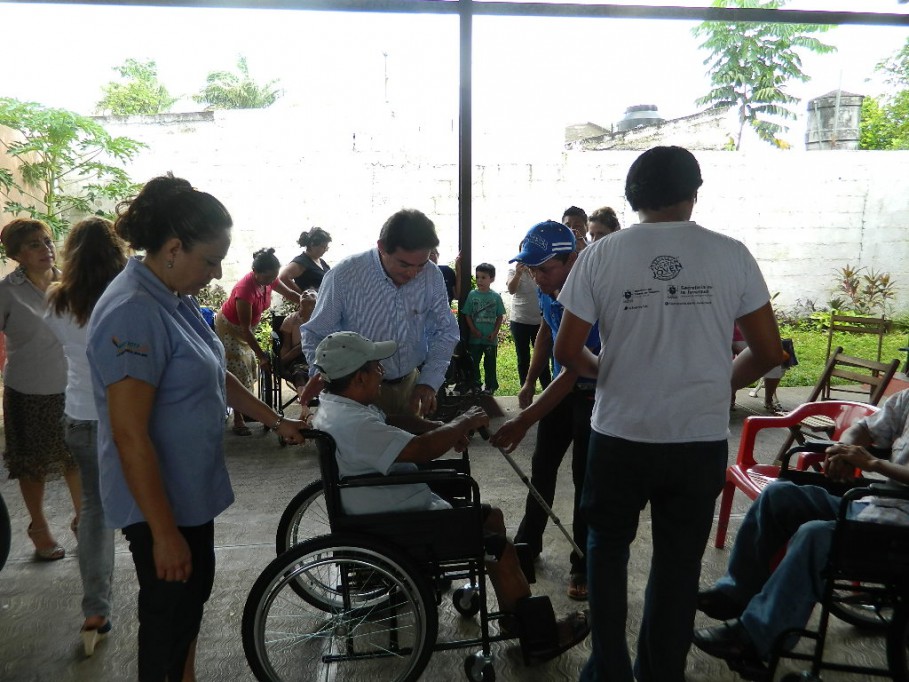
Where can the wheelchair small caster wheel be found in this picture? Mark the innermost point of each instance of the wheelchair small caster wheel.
(466, 601)
(479, 668)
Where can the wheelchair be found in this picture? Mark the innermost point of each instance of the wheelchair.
(271, 380)
(362, 600)
(867, 586)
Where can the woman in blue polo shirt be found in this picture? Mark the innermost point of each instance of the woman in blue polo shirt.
(161, 388)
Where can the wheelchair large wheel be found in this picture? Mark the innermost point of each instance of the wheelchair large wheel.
(864, 611)
(898, 645)
(304, 518)
(382, 626)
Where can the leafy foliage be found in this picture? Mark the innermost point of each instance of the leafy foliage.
(212, 296)
(885, 119)
(229, 90)
(62, 159)
(863, 291)
(140, 93)
(751, 63)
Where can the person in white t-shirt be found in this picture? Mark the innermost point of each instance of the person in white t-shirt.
(666, 293)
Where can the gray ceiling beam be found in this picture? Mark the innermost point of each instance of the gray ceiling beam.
(531, 9)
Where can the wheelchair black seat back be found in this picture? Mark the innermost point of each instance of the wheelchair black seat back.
(427, 536)
(362, 601)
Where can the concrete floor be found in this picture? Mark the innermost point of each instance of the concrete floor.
(39, 603)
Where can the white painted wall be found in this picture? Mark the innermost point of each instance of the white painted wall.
(802, 214)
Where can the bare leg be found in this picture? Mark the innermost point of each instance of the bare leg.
(189, 669)
(506, 576)
(33, 496)
(770, 386)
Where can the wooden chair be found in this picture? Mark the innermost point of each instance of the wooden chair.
(858, 325)
(751, 477)
(866, 377)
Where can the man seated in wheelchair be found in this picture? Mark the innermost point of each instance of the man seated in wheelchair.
(293, 362)
(758, 602)
(368, 443)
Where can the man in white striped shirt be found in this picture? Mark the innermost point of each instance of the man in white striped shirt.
(393, 292)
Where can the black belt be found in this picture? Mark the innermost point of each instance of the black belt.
(392, 382)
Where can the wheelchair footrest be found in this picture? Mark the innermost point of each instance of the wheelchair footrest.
(525, 558)
(536, 625)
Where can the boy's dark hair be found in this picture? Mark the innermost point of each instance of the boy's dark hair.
(574, 211)
(661, 177)
(409, 230)
(488, 268)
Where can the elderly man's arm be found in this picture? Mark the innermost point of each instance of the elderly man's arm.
(435, 443)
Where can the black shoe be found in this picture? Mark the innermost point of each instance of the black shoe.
(719, 605)
(728, 641)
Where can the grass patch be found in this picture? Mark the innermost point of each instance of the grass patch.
(810, 348)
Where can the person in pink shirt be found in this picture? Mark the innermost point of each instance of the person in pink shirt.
(236, 322)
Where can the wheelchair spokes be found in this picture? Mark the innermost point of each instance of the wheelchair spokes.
(362, 614)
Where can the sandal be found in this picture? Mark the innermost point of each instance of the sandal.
(572, 631)
(242, 430)
(51, 551)
(774, 407)
(577, 586)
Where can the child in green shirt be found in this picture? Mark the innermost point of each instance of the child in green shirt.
(484, 312)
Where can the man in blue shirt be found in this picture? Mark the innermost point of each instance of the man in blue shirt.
(393, 292)
(563, 409)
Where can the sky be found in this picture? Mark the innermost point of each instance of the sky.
(532, 76)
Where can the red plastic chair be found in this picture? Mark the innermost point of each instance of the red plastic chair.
(751, 477)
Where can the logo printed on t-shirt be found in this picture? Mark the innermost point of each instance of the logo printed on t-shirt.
(129, 347)
(665, 268)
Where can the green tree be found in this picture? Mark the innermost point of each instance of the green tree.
(885, 119)
(751, 63)
(236, 90)
(140, 93)
(64, 162)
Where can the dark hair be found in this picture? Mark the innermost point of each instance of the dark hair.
(170, 207)
(314, 237)
(488, 268)
(94, 255)
(605, 216)
(341, 384)
(16, 232)
(410, 230)
(574, 211)
(661, 177)
(265, 260)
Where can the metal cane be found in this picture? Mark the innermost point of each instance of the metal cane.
(484, 433)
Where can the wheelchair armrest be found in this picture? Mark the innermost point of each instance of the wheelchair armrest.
(817, 447)
(887, 489)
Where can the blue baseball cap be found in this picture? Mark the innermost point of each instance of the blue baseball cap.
(543, 241)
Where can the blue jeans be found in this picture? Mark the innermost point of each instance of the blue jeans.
(680, 481)
(803, 516)
(96, 543)
(567, 424)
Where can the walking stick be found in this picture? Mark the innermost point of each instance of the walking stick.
(484, 433)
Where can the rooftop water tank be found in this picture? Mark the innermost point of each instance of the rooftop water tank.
(833, 121)
(638, 116)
